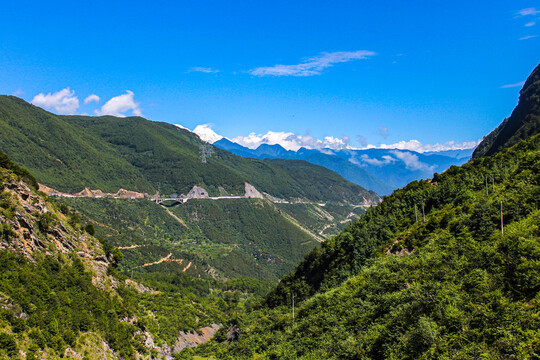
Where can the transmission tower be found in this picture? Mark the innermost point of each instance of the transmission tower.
(206, 151)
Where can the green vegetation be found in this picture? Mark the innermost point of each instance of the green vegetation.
(61, 291)
(392, 287)
(523, 123)
(52, 303)
(69, 153)
(326, 221)
(6, 163)
(236, 237)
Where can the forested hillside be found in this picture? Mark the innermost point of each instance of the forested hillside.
(394, 285)
(69, 153)
(228, 238)
(61, 295)
(522, 123)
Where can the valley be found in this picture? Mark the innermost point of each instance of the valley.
(442, 267)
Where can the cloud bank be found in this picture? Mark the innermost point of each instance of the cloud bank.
(312, 66)
(118, 105)
(417, 146)
(292, 141)
(63, 101)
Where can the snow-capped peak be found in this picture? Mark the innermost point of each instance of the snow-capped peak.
(207, 134)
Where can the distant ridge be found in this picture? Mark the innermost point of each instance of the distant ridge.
(379, 170)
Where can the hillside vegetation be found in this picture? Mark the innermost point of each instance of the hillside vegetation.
(61, 295)
(522, 123)
(391, 287)
(234, 237)
(69, 153)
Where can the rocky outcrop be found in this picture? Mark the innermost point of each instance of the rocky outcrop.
(32, 226)
(29, 225)
(140, 287)
(91, 193)
(192, 339)
(128, 194)
(197, 192)
(252, 193)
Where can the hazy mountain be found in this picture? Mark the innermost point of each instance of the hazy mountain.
(380, 170)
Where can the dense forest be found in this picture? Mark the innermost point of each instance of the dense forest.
(456, 284)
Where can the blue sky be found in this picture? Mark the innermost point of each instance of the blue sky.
(363, 72)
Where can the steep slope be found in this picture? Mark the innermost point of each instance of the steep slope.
(61, 295)
(69, 153)
(393, 287)
(60, 154)
(522, 123)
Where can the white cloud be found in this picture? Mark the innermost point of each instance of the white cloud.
(205, 70)
(528, 37)
(386, 159)
(411, 161)
(417, 146)
(91, 98)
(291, 141)
(312, 66)
(205, 132)
(17, 92)
(519, 84)
(528, 11)
(119, 105)
(529, 24)
(63, 101)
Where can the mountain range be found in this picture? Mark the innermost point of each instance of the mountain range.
(379, 170)
(297, 204)
(441, 268)
(445, 267)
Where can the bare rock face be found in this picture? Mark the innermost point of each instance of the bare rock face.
(252, 193)
(90, 193)
(32, 224)
(128, 194)
(192, 339)
(197, 192)
(140, 287)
